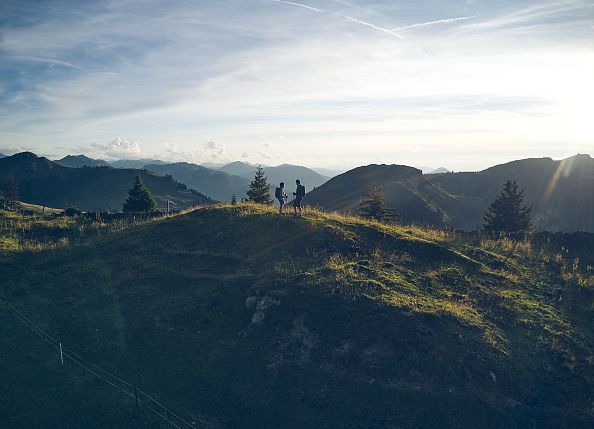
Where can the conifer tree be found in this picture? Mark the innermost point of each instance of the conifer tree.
(10, 192)
(233, 200)
(507, 212)
(259, 191)
(374, 207)
(139, 198)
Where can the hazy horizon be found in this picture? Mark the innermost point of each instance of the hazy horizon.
(326, 84)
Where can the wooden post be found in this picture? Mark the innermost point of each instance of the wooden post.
(61, 355)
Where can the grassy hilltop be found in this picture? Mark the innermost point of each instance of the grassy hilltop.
(234, 316)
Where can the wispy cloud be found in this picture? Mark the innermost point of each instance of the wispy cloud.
(539, 14)
(52, 61)
(241, 75)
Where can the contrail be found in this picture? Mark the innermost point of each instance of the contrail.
(315, 9)
(348, 18)
(368, 24)
(441, 21)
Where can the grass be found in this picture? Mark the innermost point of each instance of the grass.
(235, 316)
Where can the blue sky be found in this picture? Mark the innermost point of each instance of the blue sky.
(331, 83)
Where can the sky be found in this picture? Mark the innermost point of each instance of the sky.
(464, 84)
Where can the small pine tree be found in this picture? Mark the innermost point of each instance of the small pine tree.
(507, 212)
(373, 206)
(259, 191)
(139, 198)
(233, 200)
(10, 192)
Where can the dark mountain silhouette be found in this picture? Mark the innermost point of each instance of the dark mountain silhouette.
(45, 182)
(405, 189)
(283, 173)
(216, 184)
(560, 192)
(135, 163)
(77, 161)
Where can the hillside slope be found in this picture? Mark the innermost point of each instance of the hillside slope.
(238, 317)
(406, 189)
(560, 192)
(44, 182)
(216, 184)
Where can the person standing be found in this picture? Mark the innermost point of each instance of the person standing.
(281, 196)
(299, 195)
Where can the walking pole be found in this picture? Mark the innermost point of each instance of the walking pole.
(61, 355)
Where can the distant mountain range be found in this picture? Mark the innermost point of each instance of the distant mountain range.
(135, 163)
(217, 181)
(48, 183)
(78, 161)
(214, 183)
(2, 155)
(283, 173)
(238, 168)
(560, 192)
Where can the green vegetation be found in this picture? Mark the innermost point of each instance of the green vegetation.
(374, 207)
(9, 196)
(139, 198)
(235, 316)
(259, 190)
(507, 213)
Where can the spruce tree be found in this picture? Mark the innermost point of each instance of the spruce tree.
(139, 198)
(507, 212)
(233, 200)
(259, 191)
(10, 192)
(373, 206)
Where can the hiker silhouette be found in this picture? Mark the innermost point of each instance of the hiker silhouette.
(281, 196)
(299, 195)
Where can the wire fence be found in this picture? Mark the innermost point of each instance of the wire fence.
(126, 388)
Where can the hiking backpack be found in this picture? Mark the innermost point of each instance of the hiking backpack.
(300, 191)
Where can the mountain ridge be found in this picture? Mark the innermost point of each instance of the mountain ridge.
(44, 182)
(559, 192)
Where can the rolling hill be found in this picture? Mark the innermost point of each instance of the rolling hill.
(283, 173)
(237, 317)
(560, 192)
(44, 182)
(216, 184)
(77, 161)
